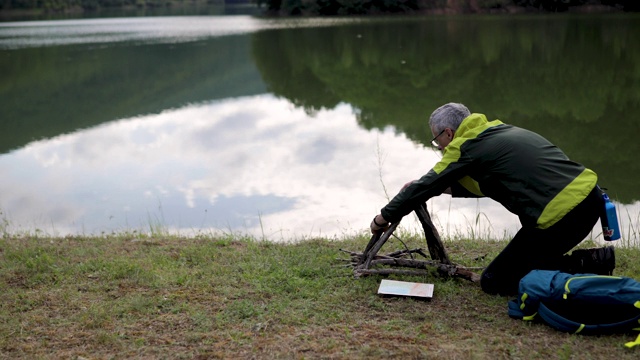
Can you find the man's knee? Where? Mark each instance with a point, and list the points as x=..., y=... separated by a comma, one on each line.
x=493, y=284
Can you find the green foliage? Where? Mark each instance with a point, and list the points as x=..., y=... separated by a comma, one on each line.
x=494, y=4
x=348, y=7
x=550, y=5
x=327, y=7
x=564, y=5
x=341, y=7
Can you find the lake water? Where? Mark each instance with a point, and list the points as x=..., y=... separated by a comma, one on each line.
x=294, y=128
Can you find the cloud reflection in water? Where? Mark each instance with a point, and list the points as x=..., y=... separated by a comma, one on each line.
x=253, y=165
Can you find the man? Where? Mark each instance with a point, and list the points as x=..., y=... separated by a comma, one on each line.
x=557, y=200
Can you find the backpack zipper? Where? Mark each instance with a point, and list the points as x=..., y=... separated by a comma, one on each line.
x=566, y=285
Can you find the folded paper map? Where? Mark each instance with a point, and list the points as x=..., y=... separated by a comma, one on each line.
x=403, y=288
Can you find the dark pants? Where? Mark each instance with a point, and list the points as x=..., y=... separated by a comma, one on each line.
x=533, y=248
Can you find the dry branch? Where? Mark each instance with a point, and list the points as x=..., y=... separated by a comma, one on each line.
x=434, y=243
x=389, y=272
x=363, y=262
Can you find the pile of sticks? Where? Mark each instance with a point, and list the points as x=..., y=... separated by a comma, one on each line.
x=369, y=261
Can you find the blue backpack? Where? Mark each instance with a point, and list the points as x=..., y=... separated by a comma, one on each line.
x=580, y=303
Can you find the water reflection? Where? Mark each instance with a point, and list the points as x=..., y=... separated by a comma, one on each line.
x=252, y=165
x=290, y=129
x=572, y=79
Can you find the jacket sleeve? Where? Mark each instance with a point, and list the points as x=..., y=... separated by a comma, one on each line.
x=445, y=174
x=459, y=191
x=467, y=188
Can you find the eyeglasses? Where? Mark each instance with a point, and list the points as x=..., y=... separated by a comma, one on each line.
x=434, y=141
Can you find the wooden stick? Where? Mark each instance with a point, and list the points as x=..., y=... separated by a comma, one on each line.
x=406, y=252
x=447, y=269
x=362, y=262
x=377, y=245
x=393, y=259
x=373, y=241
x=434, y=243
x=360, y=272
x=418, y=264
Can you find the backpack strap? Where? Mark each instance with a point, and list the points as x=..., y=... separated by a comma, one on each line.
x=550, y=315
x=558, y=321
x=633, y=343
x=637, y=342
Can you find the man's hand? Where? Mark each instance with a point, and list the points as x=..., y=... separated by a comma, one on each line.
x=379, y=224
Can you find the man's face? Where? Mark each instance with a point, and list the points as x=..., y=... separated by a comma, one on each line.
x=442, y=138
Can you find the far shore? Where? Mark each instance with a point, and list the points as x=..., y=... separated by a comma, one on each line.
x=194, y=8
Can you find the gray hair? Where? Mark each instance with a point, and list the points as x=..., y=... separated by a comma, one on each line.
x=448, y=116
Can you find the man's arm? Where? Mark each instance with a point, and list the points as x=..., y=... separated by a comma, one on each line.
x=446, y=191
x=418, y=192
x=379, y=223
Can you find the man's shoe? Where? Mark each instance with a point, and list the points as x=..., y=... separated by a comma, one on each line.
x=600, y=261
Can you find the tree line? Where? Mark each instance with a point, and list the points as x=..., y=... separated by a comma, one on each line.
x=53, y=6
x=341, y=7
x=362, y=7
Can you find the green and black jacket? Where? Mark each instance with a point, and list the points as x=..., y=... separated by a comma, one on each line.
x=518, y=168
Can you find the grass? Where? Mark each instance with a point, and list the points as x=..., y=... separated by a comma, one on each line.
x=167, y=297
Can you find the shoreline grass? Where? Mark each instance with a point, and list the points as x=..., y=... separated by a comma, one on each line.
x=169, y=297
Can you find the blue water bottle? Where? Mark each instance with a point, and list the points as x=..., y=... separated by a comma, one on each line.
x=609, y=220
